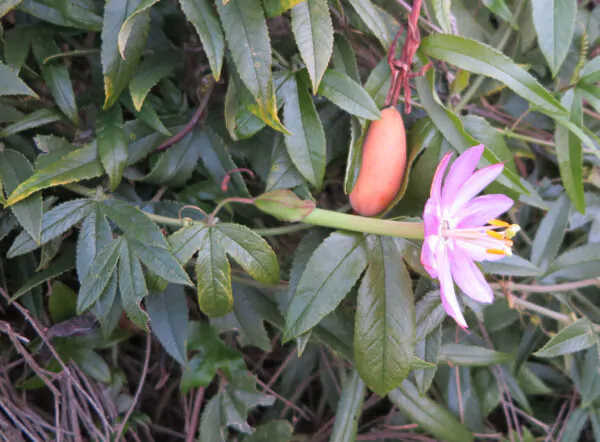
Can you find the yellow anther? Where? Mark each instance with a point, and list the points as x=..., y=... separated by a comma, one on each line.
x=496, y=235
x=498, y=252
x=498, y=223
x=512, y=230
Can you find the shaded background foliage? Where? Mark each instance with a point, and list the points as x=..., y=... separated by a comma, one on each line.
x=127, y=311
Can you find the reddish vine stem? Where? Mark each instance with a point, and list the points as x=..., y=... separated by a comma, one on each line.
x=195, y=118
x=401, y=68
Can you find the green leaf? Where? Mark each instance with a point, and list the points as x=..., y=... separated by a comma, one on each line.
x=374, y=21
x=54, y=223
x=248, y=37
x=213, y=273
x=575, y=337
x=201, y=14
x=78, y=165
x=94, y=234
x=135, y=26
x=428, y=349
x=238, y=398
x=330, y=273
x=349, y=409
x=14, y=169
x=56, y=76
x=161, y=262
x=210, y=423
x=477, y=57
x=378, y=83
x=186, y=241
x=132, y=285
x=97, y=280
x=444, y=16
x=274, y=431
x=385, y=318
x=250, y=251
x=133, y=222
x=241, y=123
x=218, y=162
x=168, y=314
x=348, y=95
x=212, y=355
x=7, y=5
x=62, y=302
x=472, y=356
x=151, y=70
x=282, y=173
x=273, y=8
x=574, y=425
x=112, y=144
x=35, y=119
x=452, y=129
x=578, y=263
x=499, y=8
x=117, y=68
x=428, y=414
x=569, y=151
x=306, y=144
x=56, y=268
x=147, y=114
x=244, y=319
x=17, y=42
x=176, y=165
x=554, y=22
x=550, y=233
x=11, y=84
x=430, y=313
x=510, y=266
x=78, y=14
x=313, y=32
x=590, y=73
x=92, y=364
x=344, y=59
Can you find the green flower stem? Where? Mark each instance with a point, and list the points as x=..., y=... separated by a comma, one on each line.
x=318, y=217
x=343, y=221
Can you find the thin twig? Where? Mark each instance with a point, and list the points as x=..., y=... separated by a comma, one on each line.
x=195, y=118
x=140, y=386
x=195, y=414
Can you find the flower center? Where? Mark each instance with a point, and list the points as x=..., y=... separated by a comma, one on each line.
x=495, y=238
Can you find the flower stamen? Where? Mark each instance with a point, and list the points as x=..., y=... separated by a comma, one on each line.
x=499, y=252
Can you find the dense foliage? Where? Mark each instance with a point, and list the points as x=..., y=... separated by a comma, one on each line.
x=176, y=257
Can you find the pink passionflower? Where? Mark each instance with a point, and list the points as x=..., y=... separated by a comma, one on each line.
x=461, y=228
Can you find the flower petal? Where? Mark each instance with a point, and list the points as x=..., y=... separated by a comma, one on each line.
x=436, y=184
x=469, y=278
x=447, y=292
x=428, y=256
x=460, y=171
x=431, y=218
x=480, y=210
x=475, y=184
